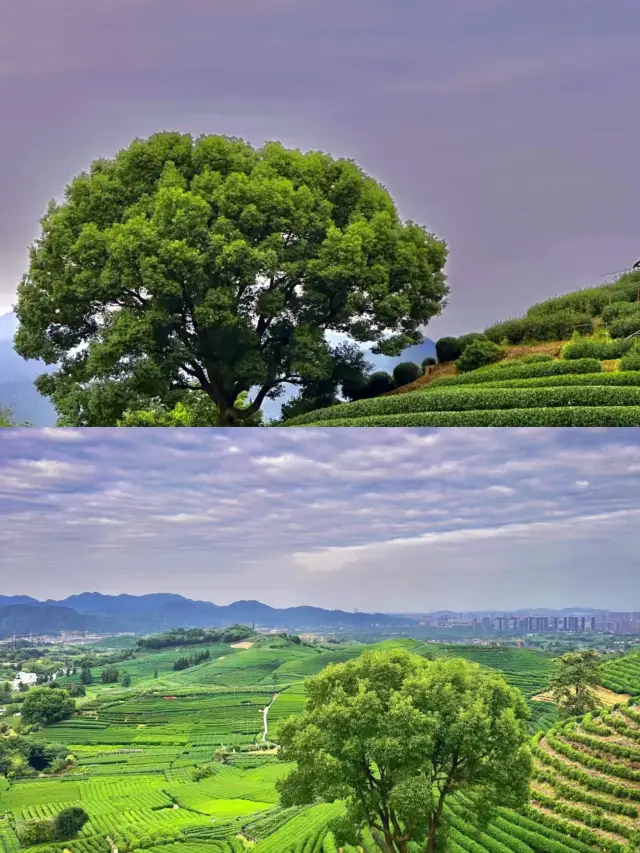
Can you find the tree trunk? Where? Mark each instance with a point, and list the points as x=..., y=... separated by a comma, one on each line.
x=228, y=418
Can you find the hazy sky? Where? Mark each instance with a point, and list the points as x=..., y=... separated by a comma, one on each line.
x=510, y=127
x=385, y=519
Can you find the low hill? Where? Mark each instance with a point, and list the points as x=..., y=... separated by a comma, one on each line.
x=570, y=361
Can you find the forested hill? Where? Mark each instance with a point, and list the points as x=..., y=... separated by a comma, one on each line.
x=92, y=611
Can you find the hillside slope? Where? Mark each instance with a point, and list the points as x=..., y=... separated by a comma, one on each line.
x=571, y=361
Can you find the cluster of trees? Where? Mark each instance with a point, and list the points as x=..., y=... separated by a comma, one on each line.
x=468, y=351
x=195, y=636
x=43, y=706
x=65, y=825
x=20, y=756
x=194, y=660
x=206, y=266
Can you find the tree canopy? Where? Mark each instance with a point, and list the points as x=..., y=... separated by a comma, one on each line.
x=204, y=264
x=43, y=706
x=394, y=735
x=573, y=682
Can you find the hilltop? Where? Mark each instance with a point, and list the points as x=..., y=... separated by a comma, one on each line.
x=573, y=360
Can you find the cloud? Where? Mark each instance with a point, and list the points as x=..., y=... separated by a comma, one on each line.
x=380, y=519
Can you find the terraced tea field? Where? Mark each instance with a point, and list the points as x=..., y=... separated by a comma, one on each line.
x=137, y=753
x=622, y=675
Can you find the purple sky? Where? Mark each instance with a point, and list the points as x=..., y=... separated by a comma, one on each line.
x=509, y=127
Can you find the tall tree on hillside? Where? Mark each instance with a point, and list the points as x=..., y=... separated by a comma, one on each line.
x=209, y=265
x=395, y=736
x=573, y=682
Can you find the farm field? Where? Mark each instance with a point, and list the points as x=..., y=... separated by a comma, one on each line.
x=544, y=375
x=137, y=752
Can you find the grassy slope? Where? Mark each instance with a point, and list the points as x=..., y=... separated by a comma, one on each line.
x=137, y=754
x=514, y=393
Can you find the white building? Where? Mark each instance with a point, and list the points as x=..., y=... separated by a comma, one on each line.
x=23, y=678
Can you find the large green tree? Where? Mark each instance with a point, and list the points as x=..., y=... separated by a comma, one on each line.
x=573, y=683
x=207, y=264
x=43, y=706
x=395, y=735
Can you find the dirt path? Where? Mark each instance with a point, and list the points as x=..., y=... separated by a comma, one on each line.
x=112, y=844
x=265, y=715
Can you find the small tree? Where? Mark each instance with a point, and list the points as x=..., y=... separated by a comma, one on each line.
x=109, y=675
x=396, y=736
x=85, y=675
x=479, y=353
x=126, y=680
x=69, y=822
x=43, y=706
x=573, y=682
x=405, y=372
x=76, y=690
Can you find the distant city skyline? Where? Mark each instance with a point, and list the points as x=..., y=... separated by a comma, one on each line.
x=386, y=520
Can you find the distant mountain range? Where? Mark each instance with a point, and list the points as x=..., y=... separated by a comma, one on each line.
x=93, y=611
x=18, y=393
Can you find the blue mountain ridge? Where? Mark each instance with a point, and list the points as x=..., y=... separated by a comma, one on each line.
x=93, y=611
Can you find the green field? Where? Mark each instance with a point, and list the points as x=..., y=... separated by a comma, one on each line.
x=137, y=751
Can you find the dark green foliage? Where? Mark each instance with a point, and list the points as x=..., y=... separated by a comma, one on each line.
x=625, y=326
x=85, y=675
x=573, y=682
x=405, y=373
x=379, y=383
x=429, y=361
x=75, y=690
x=126, y=680
x=479, y=353
x=43, y=706
x=69, y=822
x=195, y=636
x=532, y=328
x=630, y=361
x=194, y=660
x=109, y=675
x=465, y=340
x=448, y=349
x=204, y=264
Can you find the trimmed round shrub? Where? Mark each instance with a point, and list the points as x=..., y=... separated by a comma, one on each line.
x=478, y=354
x=429, y=361
x=448, y=349
x=354, y=387
x=405, y=372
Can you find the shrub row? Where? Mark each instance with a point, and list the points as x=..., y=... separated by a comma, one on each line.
x=572, y=830
x=580, y=796
x=588, y=780
x=476, y=399
x=616, y=749
x=620, y=726
x=628, y=377
x=517, y=370
x=548, y=834
x=630, y=361
x=532, y=328
x=572, y=416
x=590, y=818
x=606, y=767
x=589, y=725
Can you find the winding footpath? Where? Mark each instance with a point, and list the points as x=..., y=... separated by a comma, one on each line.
x=265, y=714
